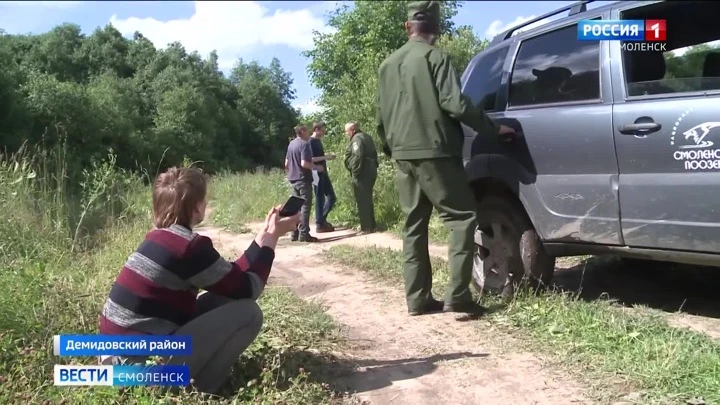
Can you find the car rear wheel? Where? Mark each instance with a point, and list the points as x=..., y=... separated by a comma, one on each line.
x=508, y=251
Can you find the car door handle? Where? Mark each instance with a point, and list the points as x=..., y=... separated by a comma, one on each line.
x=640, y=128
x=505, y=139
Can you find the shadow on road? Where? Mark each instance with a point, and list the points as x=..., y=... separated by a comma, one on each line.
x=664, y=286
x=340, y=375
x=369, y=375
x=338, y=237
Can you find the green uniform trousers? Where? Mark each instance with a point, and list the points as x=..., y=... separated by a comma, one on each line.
x=423, y=184
x=363, y=189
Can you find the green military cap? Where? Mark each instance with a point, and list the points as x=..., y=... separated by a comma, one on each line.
x=430, y=10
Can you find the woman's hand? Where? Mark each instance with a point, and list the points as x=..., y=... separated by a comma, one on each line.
x=277, y=225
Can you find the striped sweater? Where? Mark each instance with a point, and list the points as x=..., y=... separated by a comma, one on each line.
x=156, y=291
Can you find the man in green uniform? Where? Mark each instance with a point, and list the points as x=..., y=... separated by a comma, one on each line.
x=361, y=160
x=420, y=108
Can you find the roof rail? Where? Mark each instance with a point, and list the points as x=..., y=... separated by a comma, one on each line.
x=575, y=8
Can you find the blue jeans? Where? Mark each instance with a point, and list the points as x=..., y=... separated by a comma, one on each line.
x=324, y=198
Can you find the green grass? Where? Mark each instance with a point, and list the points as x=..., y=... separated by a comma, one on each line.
x=240, y=199
x=437, y=232
x=60, y=250
x=617, y=348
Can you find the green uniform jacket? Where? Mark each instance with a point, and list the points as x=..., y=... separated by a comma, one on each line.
x=361, y=157
x=420, y=105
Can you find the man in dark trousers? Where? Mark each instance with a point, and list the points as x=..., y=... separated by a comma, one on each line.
x=420, y=108
x=324, y=192
x=299, y=167
x=361, y=160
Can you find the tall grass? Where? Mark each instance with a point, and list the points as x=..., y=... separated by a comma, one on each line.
x=243, y=198
x=45, y=285
x=46, y=209
x=385, y=198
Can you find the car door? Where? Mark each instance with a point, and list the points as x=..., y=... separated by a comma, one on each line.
x=667, y=134
x=561, y=98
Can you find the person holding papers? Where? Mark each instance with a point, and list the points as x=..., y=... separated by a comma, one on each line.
x=324, y=192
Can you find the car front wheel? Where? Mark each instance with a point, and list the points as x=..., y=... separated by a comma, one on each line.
x=508, y=251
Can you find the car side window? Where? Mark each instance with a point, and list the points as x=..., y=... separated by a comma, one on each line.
x=555, y=68
x=689, y=58
x=483, y=83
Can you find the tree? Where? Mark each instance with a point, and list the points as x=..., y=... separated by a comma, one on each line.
x=690, y=64
x=364, y=36
x=105, y=49
x=344, y=66
x=154, y=107
x=344, y=63
x=13, y=112
x=266, y=93
x=56, y=53
x=462, y=46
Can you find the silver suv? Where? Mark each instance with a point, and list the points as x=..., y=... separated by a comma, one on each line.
x=616, y=150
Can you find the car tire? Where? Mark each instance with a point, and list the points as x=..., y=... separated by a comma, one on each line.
x=508, y=252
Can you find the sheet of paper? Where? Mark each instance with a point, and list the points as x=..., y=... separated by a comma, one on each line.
x=316, y=178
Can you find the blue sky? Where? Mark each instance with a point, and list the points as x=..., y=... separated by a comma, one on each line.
x=249, y=29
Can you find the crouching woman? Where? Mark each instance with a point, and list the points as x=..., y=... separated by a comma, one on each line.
x=156, y=291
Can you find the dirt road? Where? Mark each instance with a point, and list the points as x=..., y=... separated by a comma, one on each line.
x=432, y=359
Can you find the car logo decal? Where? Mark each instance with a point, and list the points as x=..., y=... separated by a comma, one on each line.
x=699, y=139
x=693, y=144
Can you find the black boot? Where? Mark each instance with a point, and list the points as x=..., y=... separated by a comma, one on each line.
x=431, y=307
x=470, y=307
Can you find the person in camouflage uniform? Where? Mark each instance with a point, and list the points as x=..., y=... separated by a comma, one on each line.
x=361, y=160
x=420, y=108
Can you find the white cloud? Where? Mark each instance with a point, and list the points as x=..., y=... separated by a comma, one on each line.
x=47, y=4
x=231, y=28
x=309, y=107
x=497, y=27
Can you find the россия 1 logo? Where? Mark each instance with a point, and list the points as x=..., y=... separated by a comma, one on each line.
x=655, y=30
x=637, y=35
